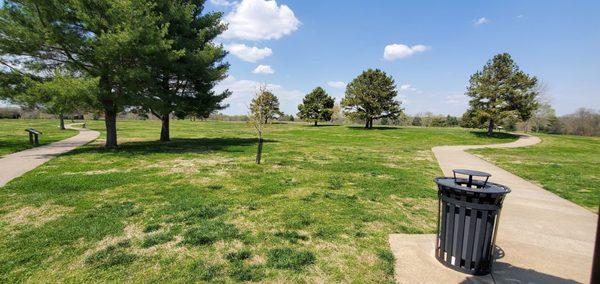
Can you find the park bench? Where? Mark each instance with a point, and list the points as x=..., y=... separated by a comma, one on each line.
x=33, y=136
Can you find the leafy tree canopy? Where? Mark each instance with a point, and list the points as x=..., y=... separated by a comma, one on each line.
x=501, y=89
x=371, y=96
x=265, y=105
x=316, y=106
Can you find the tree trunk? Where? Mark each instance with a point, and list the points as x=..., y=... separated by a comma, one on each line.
x=110, y=121
x=490, y=128
x=164, y=130
x=62, y=121
x=367, y=123
x=110, y=110
x=266, y=120
x=315, y=123
x=259, y=151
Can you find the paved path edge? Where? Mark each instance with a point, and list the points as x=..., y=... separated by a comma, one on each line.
x=16, y=164
x=546, y=239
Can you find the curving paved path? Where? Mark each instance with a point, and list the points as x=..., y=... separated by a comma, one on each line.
x=545, y=238
x=16, y=164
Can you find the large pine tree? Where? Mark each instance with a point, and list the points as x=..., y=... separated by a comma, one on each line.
x=183, y=76
x=316, y=106
x=370, y=96
x=499, y=90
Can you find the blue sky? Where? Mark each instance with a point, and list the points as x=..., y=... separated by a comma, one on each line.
x=434, y=46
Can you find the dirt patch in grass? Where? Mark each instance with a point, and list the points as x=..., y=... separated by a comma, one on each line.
x=190, y=166
x=36, y=216
x=130, y=232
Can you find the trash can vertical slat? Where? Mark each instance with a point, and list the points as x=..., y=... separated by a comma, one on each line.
x=471, y=239
x=479, y=235
x=460, y=236
x=442, y=220
x=450, y=234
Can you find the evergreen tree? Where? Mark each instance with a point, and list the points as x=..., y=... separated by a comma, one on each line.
x=182, y=77
x=316, y=106
x=371, y=96
x=451, y=121
x=501, y=89
x=107, y=39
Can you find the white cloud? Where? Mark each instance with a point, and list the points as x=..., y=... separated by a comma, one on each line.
x=457, y=99
x=481, y=21
x=243, y=91
x=337, y=84
x=263, y=69
x=260, y=20
x=407, y=87
x=247, y=53
x=222, y=2
x=398, y=51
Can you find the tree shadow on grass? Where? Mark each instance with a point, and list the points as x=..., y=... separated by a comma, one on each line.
x=375, y=128
x=497, y=135
x=178, y=145
x=320, y=125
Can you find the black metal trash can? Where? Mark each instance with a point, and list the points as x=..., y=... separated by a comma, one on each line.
x=468, y=215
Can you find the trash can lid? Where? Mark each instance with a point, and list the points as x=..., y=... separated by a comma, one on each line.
x=488, y=187
x=471, y=173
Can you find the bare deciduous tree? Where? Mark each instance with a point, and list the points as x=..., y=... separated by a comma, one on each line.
x=258, y=116
x=582, y=122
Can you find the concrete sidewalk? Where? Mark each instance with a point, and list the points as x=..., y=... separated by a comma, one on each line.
x=16, y=164
x=545, y=238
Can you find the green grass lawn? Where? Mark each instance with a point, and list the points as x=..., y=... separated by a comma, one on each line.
x=566, y=165
x=319, y=208
x=13, y=137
